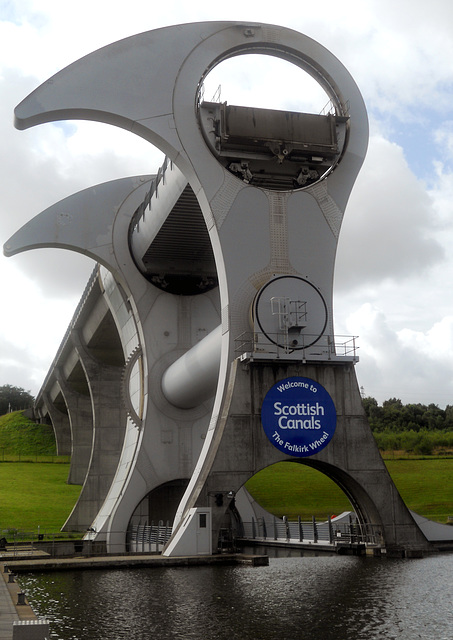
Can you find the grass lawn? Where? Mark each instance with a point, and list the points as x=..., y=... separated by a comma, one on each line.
x=426, y=486
x=35, y=494
x=293, y=489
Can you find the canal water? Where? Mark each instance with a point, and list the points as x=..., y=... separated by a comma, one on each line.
x=324, y=597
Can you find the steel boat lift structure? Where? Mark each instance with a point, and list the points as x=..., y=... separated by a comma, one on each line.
x=218, y=274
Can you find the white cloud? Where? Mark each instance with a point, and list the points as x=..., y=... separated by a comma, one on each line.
x=436, y=343
x=411, y=365
x=388, y=229
x=31, y=329
x=443, y=136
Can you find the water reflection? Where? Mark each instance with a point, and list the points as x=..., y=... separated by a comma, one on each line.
x=315, y=598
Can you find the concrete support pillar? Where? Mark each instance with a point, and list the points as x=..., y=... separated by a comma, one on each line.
x=351, y=459
x=109, y=422
x=81, y=423
x=61, y=426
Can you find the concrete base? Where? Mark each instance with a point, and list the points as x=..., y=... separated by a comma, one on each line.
x=352, y=459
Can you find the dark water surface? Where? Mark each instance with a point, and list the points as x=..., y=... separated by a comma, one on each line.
x=311, y=598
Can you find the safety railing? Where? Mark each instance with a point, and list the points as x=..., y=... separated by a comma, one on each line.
x=312, y=532
x=141, y=209
x=19, y=545
x=280, y=345
x=144, y=538
x=6, y=455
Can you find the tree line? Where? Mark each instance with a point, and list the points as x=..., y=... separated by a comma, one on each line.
x=395, y=416
x=14, y=399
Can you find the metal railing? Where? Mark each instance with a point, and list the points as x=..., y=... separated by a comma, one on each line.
x=310, y=532
x=18, y=545
x=139, y=213
x=151, y=538
x=144, y=538
x=6, y=455
x=309, y=346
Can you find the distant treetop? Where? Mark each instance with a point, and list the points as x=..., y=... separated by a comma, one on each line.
x=14, y=399
x=393, y=415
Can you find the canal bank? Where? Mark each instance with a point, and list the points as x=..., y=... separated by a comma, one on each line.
x=14, y=608
x=30, y=564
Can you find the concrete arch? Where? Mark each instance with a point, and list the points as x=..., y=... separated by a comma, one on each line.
x=351, y=459
x=362, y=502
x=160, y=503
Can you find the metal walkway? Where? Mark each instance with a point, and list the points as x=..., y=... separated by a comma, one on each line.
x=335, y=534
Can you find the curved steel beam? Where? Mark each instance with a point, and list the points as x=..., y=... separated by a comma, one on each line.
x=82, y=222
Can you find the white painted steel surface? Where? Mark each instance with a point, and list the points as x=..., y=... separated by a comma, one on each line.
x=192, y=379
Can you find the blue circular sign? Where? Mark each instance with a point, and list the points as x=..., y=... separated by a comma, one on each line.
x=298, y=416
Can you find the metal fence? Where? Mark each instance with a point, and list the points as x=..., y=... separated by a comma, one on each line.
x=151, y=538
x=6, y=455
x=298, y=531
x=18, y=543
x=144, y=538
x=257, y=345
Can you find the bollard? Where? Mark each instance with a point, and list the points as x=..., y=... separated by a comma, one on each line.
x=21, y=598
x=5, y=569
x=11, y=577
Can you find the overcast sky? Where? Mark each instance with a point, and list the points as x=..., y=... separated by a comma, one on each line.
x=394, y=268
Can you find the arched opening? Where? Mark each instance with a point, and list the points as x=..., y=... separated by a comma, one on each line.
x=293, y=489
x=272, y=118
x=265, y=81
x=306, y=503
x=151, y=523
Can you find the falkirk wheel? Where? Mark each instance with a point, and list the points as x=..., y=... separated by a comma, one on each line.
x=218, y=273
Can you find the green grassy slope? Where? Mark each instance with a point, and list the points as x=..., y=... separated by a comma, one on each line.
x=425, y=485
x=18, y=434
x=293, y=489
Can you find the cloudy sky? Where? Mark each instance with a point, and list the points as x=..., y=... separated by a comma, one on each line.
x=394, y=270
